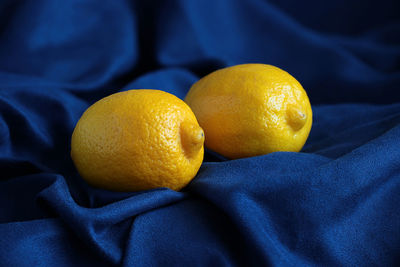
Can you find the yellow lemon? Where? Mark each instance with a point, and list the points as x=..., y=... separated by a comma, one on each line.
x=251, y=109
x=137, y=140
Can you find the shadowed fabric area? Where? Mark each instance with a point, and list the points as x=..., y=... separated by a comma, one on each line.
x=336, y=203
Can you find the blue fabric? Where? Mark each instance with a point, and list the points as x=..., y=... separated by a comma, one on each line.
x=336, y=203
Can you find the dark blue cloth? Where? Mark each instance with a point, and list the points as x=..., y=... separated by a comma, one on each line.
x=336, y=203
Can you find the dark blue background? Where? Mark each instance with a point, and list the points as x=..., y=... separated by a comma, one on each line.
x=334, y=204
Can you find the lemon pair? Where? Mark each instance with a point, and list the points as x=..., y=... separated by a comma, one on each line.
x=143, y=139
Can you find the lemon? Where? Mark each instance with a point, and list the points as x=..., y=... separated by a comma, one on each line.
x=137, y=140
x=251, y=109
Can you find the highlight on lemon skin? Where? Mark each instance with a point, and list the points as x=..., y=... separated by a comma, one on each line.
x=138, y=140
x=251, y=109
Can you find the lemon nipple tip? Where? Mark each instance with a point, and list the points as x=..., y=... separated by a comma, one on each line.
x=296, y=118
x=192, y=138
